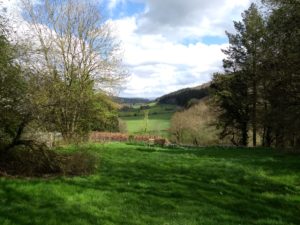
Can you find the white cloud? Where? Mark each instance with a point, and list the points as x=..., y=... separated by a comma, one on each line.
x=159, y=65
x=178, y=19
x=113, y=3
x=152, y=42
x=154, y=52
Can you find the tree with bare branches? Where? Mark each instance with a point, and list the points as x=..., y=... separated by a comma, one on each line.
x=75, y=55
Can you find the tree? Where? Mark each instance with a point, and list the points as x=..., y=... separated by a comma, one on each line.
x=231, y=98
x=194, y=125
x=262, y=69
x=75, y=54
x=146, y=120
x=14, y=103
x=281, y=66
x=244, y=54
x=105, y=115
x=237, y=93
x=253, y=39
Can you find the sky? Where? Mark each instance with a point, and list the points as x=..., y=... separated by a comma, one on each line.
x=169, y=44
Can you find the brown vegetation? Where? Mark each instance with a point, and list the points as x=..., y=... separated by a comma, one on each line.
x=121, y=137
x=37, y=160
x=195, y=126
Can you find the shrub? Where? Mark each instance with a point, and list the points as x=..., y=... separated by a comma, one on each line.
x=108, y=136
x=195, y=126
x=36, y=160
x=131, y=138
x=160, y=141
x=78, y=163
x=122, y=126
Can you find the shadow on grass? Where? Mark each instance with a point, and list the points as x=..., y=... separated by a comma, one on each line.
x=19, y=207
x=273, y=161
x=156, y=186
x=232, y=194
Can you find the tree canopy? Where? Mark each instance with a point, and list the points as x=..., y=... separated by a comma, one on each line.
x=261, y=72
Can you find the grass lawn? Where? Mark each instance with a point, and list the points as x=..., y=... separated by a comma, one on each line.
x=142, y=185
x=154, y=108
x=157, y=124
x=159, y=116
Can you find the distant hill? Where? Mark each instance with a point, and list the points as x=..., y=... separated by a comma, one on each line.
x=122, y=100
x=183, y=96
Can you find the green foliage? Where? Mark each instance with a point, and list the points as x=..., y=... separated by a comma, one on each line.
x=154, y=108
x=14, y=104
x=105, y=115
x=72, y=70
x=236, y=94
x=231, y=96
x=183, y=96
x=142, y=185
x=282, y=71
x=260, y=86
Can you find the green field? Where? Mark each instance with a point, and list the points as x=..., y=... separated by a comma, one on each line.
x=154, y=109
x=158, y=122
x=143, y=185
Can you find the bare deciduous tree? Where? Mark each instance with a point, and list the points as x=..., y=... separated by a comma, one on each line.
x=193, y=126
x=75, y=54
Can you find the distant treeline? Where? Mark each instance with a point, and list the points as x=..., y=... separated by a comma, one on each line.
x=184, y=96
x=123, y=100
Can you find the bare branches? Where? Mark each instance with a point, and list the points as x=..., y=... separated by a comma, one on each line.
x=74, y=42
x=75, y=54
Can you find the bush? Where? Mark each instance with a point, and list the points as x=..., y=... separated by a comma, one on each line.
x=36, y=160
x=195, y=126
x=122, y=126
x=79, y=163
x=160, y=141
x=131, y=138
x=108, y=136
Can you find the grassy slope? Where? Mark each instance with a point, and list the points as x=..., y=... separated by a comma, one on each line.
x=141, y=185
x=155, y=108
x=157, y=124
x=158, y=119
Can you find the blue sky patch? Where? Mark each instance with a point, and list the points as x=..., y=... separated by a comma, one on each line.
x=127, y=9
x=208, y=40
x=214, y=40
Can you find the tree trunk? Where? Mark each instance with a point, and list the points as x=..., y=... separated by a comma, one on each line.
x=245, y=134
x=17, y=139
x=254, y=122
x=279, y=139
x=267, y=138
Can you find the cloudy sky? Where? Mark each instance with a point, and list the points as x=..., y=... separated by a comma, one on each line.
x=170, y=44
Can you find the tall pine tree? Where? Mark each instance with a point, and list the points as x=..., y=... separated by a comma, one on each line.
x=242, y=65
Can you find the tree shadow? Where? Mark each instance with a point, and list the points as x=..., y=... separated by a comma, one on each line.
x=233, y=191
x=219, y=185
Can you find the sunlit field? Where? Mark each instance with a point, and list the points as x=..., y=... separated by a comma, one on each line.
x=137, y=184
x=156, y=124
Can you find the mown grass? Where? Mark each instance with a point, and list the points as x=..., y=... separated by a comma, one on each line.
x=145, y=185
x=157, y=124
